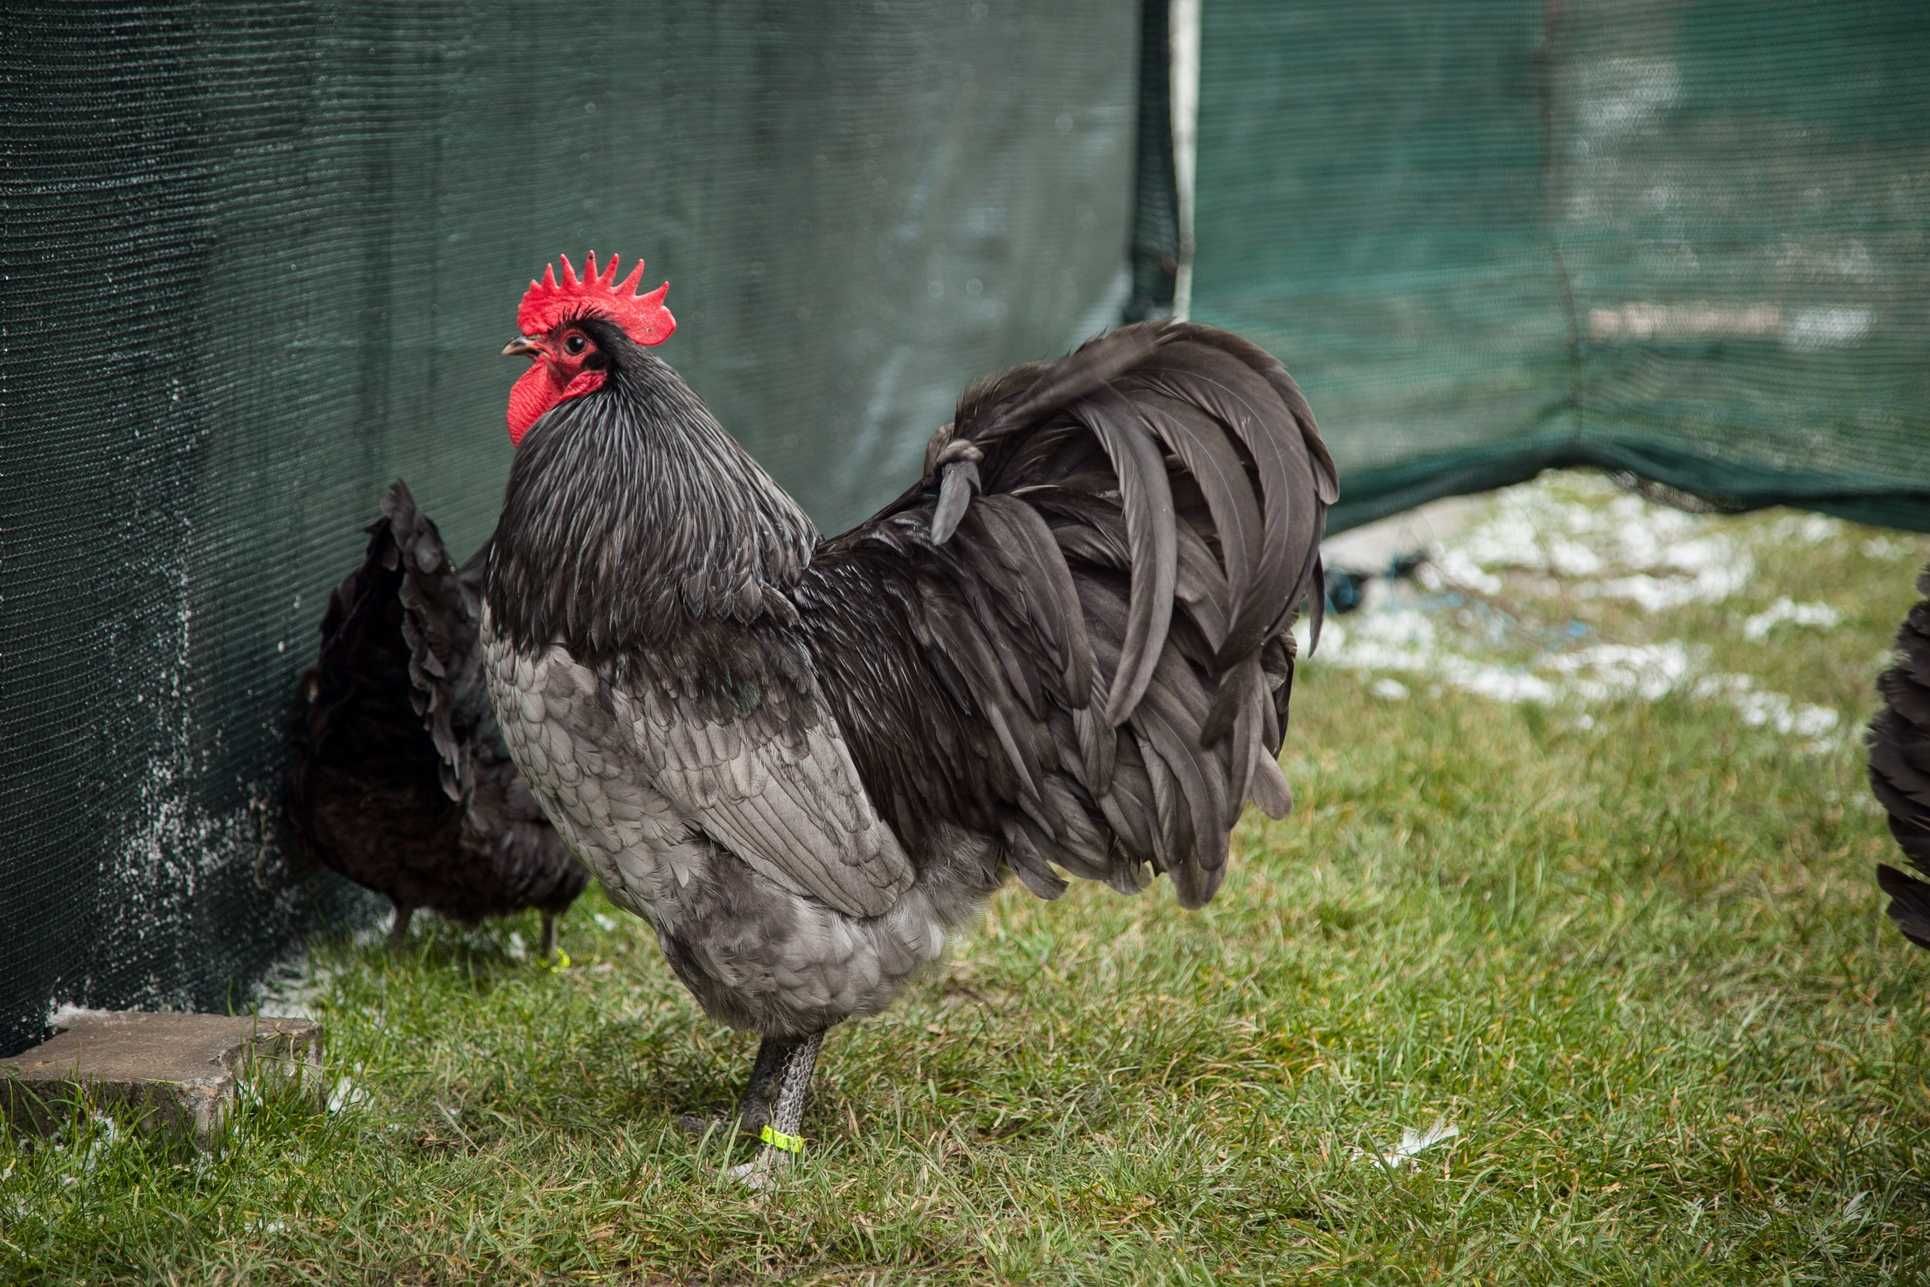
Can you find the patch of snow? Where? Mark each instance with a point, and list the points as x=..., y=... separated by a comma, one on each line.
x=1611, y=544
x=1571, y=558
x=376, y=932
x=1404, y=640
x=1808, y=529
x=291, y=987
x=1785, y=610
x=101, y=1136
x=1885, y=547
x=1608, y=672
x=346, y=1096
x=1760, y=707
x=1459, y=567
x=1656, y=557
x=1701, y=571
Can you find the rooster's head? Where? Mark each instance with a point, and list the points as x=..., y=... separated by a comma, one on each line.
x=559, y=322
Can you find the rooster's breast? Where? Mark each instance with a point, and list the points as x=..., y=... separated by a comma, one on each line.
x=572, y=754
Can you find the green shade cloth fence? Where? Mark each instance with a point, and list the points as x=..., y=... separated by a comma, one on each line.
x=256, y=261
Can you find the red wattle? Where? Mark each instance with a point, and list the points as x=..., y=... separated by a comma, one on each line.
x=537, y=390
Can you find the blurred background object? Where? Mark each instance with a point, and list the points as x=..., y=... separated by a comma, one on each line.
x=398, y=776
x=1686, y=239
x=253, y=257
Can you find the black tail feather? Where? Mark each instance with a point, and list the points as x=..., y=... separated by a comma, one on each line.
x=1108, y=593
x=1899, y=744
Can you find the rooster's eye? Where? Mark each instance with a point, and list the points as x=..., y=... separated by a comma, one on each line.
x=575, y=344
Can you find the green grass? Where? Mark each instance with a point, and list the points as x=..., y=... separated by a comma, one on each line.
x=1640, y=964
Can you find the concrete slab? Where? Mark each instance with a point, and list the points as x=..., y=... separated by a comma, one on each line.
x=173, y=1071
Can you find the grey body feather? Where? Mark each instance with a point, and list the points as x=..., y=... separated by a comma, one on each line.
x=1065, y=650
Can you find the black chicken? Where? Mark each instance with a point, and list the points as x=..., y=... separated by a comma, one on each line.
x=1065, y=648
x=1900, y=766
x=400, y=780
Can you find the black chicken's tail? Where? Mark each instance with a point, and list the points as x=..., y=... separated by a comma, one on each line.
x=1134, y=527
x=399, y=641
x=1900, y=766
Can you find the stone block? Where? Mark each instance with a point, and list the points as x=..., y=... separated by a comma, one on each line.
x=166, y=1071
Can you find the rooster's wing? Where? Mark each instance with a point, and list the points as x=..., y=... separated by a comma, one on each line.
x=770, y=779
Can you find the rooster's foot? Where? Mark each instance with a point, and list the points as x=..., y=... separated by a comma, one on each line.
x=761, y=1174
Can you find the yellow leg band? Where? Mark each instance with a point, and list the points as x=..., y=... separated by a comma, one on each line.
x=778, y=1139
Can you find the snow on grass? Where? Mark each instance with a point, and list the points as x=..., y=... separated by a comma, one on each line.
x=293, y=986
x=1583, y=538
x=1787, y=611
x=1625, y=548
x=346, y=1096
x=1887, y=547
x=1759, y=708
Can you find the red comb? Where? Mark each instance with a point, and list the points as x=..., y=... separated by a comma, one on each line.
x=596, y=294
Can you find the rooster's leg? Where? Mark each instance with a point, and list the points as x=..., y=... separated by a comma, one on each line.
x=754, y=1110
x=779, y=1083
x=399, y=932
x=754, y=1113
x=549, y=935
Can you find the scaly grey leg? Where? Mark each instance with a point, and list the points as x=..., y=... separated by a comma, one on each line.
x=548, y=947
x=754, y=1113
x=786, y=1064
x=754, y=1109
x=399, y=932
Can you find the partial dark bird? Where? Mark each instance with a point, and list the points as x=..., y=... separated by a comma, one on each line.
x=1064, y=650
x=400, y=779
x=1900, y=766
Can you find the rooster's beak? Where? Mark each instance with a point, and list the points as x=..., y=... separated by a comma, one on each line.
x=521, y=346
